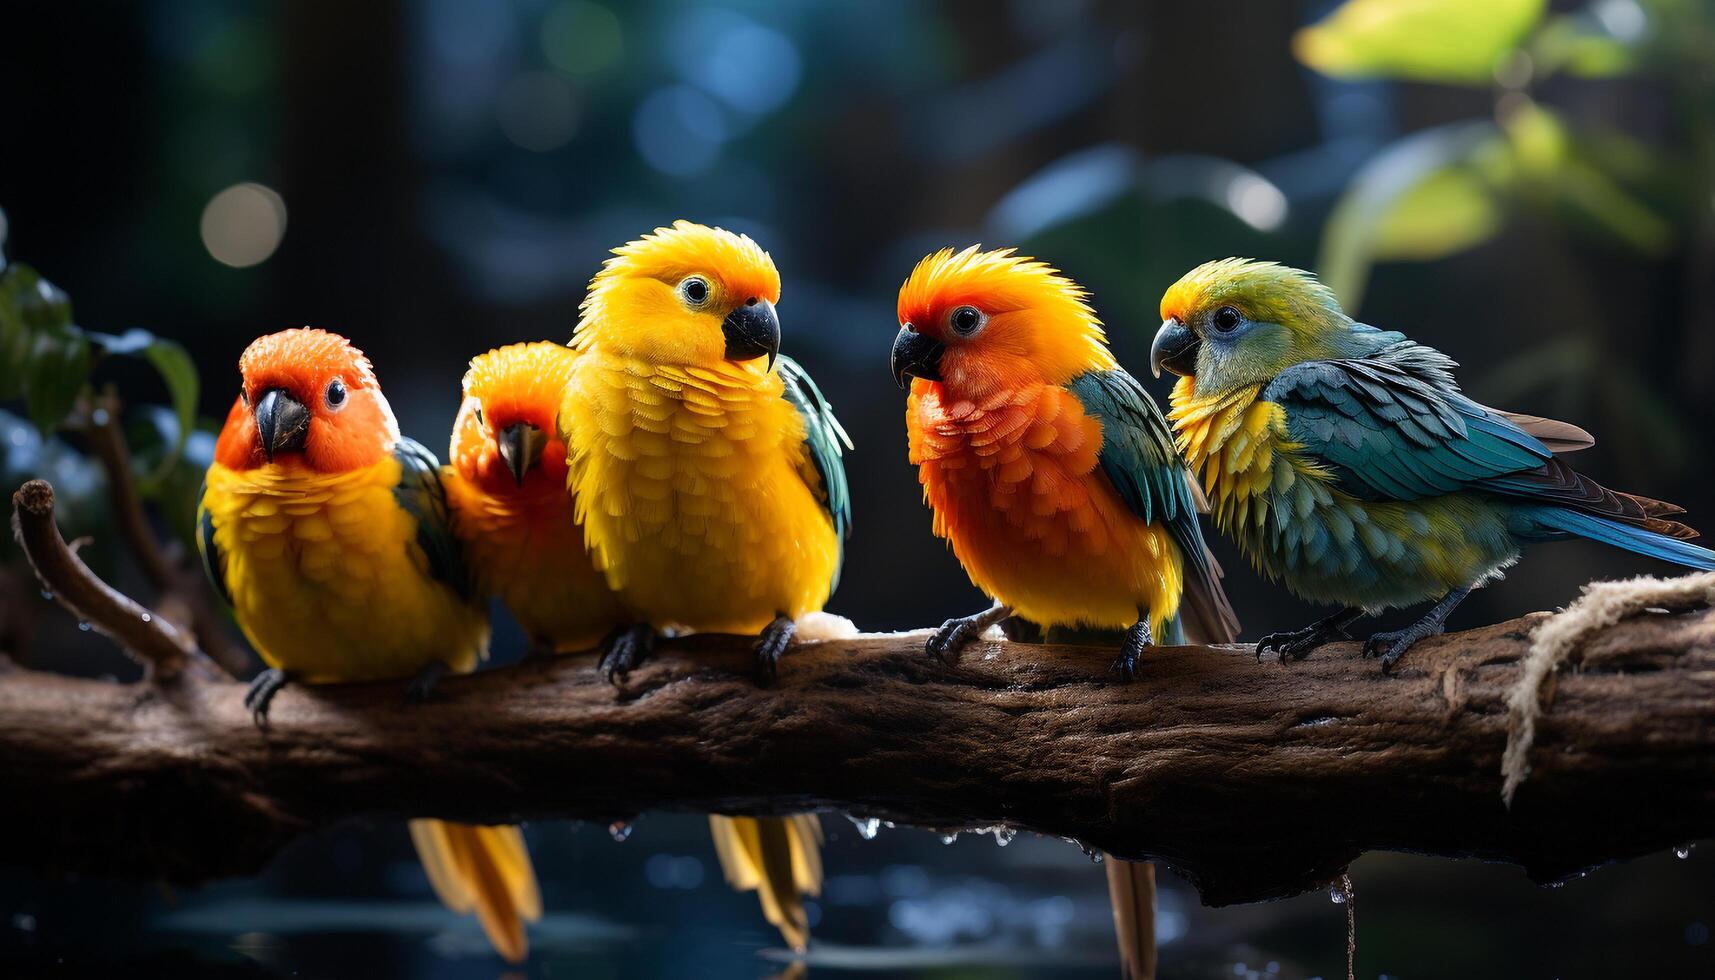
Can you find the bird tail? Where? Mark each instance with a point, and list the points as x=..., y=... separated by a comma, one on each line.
x=1205, y=613
x=1669, y=547
x=485, y=870
x=781, y=859
x=1131, y=889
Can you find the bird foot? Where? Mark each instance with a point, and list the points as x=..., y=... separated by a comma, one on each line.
x=771, y=646
x=1137, y=639
x=956, y=634
x=1392, y=644
x=625, y=651
x=263, y=687
x=424, y=683
x=1298, y=644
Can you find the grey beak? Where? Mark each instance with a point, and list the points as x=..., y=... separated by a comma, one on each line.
x=1175, y=349
x=752, y=330
x=282, y=422
x=916, y=355
x=520, y=445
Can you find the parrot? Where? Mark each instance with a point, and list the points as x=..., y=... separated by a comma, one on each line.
x=707, y=472
x=1347, y=464
x=327, y=533
x=506, y=487
x=1053, y=476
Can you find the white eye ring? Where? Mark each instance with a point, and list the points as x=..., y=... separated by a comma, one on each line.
x=335, y=397
x=967, y=320
x=694, y=290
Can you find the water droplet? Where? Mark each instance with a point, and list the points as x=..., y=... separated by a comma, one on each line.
x=619, y=830
x=84, y=625
x=1682, y=852
x=867, y=827
x=949, y=838
x=46, y=594
x=1003, y=835
x=1336, y=896
x=148, y=618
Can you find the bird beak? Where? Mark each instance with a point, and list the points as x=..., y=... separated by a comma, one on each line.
x=915, y=354
x=1175, y=349
x=282, y=422
x=520, y=446
x=752, y=330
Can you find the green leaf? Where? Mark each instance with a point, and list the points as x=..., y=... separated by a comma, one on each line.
x=1389, y=209
x=58, y=365
x=1565, y=177
x=177, y=370
x=1450, y=41
x=1579, y=44
x=1450, y=211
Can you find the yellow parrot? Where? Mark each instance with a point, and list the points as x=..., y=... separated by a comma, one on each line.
x=706, y=469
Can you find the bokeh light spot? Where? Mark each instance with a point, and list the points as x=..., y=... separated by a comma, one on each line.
x=538, y=111
x=243, y=225
x=581, y=38
x=679, y=131
x=1257, y=202
x=749, y=66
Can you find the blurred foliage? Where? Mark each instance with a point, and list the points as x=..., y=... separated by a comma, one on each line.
x=49, y=365
x=1447, y=189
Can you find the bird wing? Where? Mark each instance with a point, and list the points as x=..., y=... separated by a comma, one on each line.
x=213, y=562
x=421, y=493
x=824, y=441
x=1140, y=461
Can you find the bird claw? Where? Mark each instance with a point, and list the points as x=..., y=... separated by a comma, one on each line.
x=1137, y=639
x=423, y=685
x=1392, y=644
x=953, y=636
x=263, y=687
x=625, y=651
x=1293, y=645
x=771, y=646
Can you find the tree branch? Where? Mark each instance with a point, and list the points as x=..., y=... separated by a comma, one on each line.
x=157, y=644
x=1254, y=779
x=165, y=572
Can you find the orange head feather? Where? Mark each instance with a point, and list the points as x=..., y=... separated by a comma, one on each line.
x=689, y=294
x=995, y=319
x=308, y=398
x=505, y=440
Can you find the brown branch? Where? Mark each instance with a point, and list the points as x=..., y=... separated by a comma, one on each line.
x=165, y=572
x=1254, y=779
x=157, y=644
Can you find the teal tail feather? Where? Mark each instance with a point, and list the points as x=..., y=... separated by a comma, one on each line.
x=1553, y=522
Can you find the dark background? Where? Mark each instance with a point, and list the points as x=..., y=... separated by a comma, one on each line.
x=452, y=174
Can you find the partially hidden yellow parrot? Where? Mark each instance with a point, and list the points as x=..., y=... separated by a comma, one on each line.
x=706, y=469
x=328, y=533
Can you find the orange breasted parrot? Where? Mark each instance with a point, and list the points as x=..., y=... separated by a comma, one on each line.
x=328, y=534
x=1347, y=465
x=707, y=473
x=506, y=485
x=1048, y=468
x=1053, y=476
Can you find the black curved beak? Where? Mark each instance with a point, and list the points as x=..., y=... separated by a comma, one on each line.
x=915, y=354
x=1175, y=349
x=520, y=446
x=282, y=422
x=752, y=330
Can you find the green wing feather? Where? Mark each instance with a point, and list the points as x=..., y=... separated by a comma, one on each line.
x=1139, y=458
x=420, y=492
x=824, y=440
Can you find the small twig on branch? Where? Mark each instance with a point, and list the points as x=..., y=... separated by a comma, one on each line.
x=164, y=572
x=158, y=645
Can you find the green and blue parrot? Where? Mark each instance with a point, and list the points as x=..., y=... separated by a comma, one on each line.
x=1347, y=465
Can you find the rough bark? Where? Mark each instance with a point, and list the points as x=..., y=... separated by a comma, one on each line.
x=1254, y=779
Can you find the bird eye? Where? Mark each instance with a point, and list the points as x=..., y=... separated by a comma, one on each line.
x=967, y=320
x=334, y=396
x=695, y=289
x=1227, y=319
